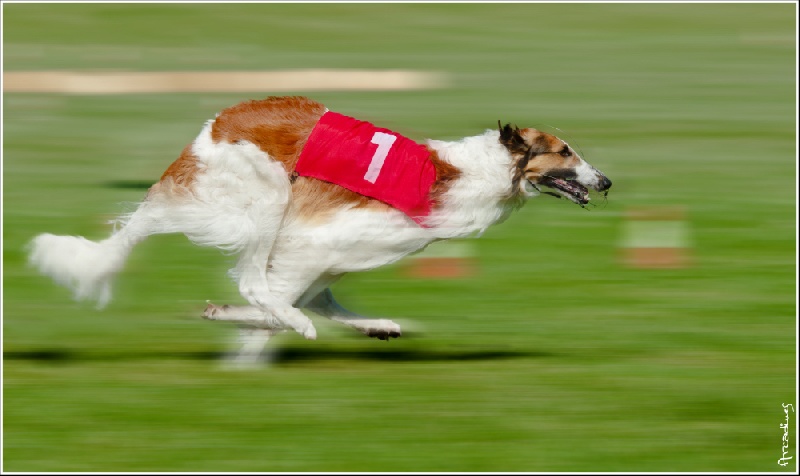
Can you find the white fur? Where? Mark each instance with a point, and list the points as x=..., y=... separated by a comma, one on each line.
x=84, y=266
x=479, y=198
x=587, y=175
x=240, y=193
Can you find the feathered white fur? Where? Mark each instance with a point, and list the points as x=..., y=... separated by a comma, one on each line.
x=86, y=267
x=481, y=196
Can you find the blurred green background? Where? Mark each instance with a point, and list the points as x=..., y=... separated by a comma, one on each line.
x=554, y=357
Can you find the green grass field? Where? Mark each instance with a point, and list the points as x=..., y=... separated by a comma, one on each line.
x=554, y=357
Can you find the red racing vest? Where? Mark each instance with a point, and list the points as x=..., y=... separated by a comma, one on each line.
x=370, y=161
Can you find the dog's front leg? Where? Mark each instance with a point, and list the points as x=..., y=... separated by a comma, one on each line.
x=278, y=318
x=325, y=305
x=270, y=310
x=251, y=342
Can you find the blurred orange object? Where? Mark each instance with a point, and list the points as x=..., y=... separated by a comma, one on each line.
x=656, y=237
x=450, y=260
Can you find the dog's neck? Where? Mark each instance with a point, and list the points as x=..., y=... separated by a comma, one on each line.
x=482, y=195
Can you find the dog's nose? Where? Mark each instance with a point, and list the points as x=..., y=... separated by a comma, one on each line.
x=605, y=184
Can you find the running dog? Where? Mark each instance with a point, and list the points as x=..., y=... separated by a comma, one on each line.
x=304, y=195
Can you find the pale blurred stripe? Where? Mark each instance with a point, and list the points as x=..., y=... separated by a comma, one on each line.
x=71, y=82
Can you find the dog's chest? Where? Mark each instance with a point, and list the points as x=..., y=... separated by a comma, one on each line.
x=352, y=240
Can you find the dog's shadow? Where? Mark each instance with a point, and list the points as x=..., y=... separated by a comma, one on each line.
x=289, y=355
x=286, y=355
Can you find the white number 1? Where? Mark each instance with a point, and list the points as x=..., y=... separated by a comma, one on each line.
x=384, y=143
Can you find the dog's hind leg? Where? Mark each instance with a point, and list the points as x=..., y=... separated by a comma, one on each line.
x=268, y=310
x=325, y=305
x=239, y=198
x=281, y=289
x=254, y=317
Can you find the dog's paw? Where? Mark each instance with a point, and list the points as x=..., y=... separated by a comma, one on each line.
x=382, y=334
x=310, y=333
x=214, y=312
x=383, y=329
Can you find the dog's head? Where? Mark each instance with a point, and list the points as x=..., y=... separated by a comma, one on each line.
x=541, y=159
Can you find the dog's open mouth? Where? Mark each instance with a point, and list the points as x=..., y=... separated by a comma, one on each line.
x=569, y=189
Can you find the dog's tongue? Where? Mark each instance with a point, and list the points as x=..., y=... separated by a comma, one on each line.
x=574, y=188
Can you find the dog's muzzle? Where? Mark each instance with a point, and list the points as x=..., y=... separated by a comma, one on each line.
x=575, y=186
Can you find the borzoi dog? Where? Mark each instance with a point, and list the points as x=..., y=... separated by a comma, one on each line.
x=305, y=195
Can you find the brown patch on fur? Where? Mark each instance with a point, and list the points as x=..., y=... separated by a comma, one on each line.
x=541, y=141
x=446, y=173
x=279, y=126
x=548, y=157
x=315, y=200
x=181, y=173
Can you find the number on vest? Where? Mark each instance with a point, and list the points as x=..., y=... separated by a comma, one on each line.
x=384, y=142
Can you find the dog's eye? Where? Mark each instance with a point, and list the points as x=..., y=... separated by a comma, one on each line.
x=565, y=152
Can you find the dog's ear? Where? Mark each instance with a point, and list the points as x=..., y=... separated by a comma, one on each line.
x=506, y=133
x=511, y=138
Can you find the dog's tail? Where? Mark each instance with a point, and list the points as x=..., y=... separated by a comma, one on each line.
x=84, y=266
